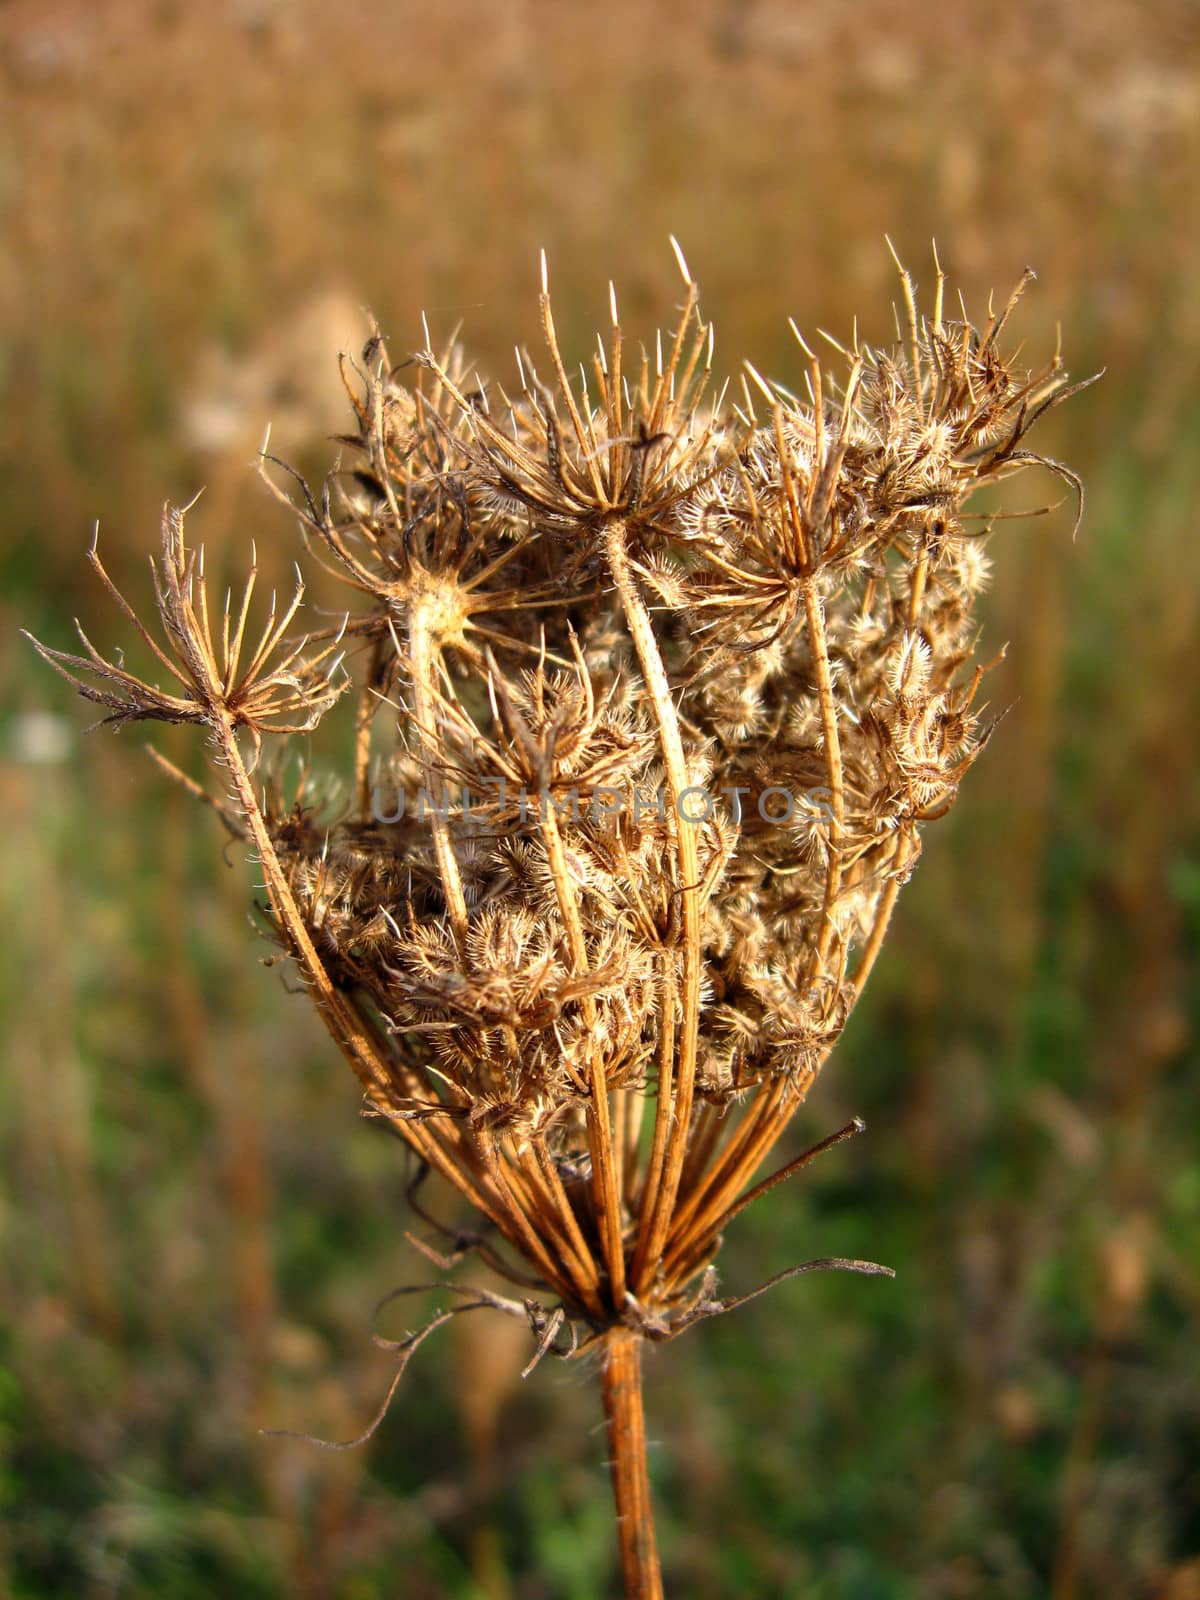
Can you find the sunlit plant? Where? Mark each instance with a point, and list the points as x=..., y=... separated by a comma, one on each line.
x=653, y=689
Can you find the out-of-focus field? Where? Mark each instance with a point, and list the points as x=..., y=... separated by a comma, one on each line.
x=194, y=202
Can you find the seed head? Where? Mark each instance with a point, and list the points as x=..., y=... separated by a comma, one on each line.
x=654, y=693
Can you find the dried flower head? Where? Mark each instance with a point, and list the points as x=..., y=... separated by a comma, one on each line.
x=654, y=691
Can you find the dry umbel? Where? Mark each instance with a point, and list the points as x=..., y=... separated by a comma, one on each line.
x=653, y=690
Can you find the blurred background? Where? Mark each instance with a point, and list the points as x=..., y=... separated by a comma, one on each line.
x=195, y=204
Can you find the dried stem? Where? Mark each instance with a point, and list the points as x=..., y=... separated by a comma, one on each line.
x=674, y=1110
x=621, y=1381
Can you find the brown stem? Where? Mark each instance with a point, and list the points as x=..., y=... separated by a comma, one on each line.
x=621, y=1379
x=673, y=1117
x=819, y=646
x=423, y=658
x=599, y=1125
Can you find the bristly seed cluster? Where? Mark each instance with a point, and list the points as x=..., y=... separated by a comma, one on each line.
x=653, y=690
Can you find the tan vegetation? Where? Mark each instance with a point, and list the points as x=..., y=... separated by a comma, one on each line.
x=586, y=991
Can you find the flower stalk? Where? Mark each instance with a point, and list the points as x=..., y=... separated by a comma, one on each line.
x=621, y=1382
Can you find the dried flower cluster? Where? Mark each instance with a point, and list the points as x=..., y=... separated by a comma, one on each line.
x=654, y=689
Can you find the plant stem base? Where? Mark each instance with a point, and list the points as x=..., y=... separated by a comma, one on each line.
x=621, y=1380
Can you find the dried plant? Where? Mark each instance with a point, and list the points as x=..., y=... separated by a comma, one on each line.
x=653, y=691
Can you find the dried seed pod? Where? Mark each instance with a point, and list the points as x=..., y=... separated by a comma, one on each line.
x=653, y=696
